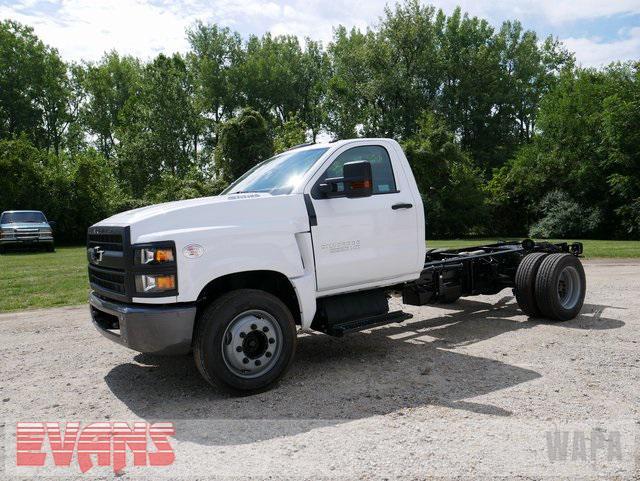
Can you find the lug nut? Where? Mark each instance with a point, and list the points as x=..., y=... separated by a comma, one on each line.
x=245, y=360
x=253, y=327
x=239, y=348
x=242, y=334
x=265, y=329
x=268, y=354
x=271, y=340
x=258, y=362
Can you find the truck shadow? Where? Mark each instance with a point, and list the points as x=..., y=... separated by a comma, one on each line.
x=338, y=380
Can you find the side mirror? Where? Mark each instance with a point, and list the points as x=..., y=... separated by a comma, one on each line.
x=356, y=181
x=52, y=223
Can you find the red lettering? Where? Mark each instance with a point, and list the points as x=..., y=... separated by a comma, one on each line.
x=62, y=447
x=159, y=434
x=95, y=439
x=29, y=440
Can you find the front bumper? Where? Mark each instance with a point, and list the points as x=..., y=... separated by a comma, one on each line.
x=152, y=329
x=16, y=241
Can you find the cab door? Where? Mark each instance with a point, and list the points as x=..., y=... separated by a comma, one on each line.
x=359, y=241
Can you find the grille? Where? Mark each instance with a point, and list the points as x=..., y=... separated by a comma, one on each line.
x=112, y=242
x=109, y=279
x=27, y=234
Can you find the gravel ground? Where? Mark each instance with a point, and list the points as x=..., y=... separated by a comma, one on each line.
x=471, y=390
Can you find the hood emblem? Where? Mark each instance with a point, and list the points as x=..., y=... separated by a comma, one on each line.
x=95, y=254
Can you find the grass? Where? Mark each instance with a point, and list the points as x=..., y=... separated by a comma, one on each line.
x=43, y=279
x=592, y=248
x=31, y=280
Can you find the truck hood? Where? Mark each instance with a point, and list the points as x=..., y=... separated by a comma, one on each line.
x=27, y=225
x=252, y=210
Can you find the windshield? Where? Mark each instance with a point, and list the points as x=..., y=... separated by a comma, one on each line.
x=18, y=217
x=277, y=175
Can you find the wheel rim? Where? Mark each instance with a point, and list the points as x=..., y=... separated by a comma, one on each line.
x=251, y=344
x=569, y=287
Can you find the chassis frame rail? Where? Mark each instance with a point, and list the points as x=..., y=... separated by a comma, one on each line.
x=484, y=269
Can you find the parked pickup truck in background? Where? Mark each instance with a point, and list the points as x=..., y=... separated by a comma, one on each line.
x=316, y=238
x=25, y=228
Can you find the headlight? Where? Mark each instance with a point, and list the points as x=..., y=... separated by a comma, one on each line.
x=147, y=283
x=7, y=233
x=45, y=230
x=154, y=255
x=155, y=269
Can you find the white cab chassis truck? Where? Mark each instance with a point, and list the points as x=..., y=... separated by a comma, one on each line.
x=316, y=238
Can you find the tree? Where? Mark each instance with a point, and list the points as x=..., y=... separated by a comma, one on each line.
x=586, y=148
x=34, y=88
x=22, y=180
x=244, y=142
x=350, y=102
x=109, y=84
x=451, y=186
x=159, y=127
x=292, y=132
x=214, y=60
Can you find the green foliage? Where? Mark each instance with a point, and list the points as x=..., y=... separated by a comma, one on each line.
x=451, y=186
x=34, y=88
x=292, y=132
x=588, y=147
x=172, y=188
x=504, y=105
x=564, y=218
x=244, y=142
x=109, y=85
x=22, y=166
x=82, y=192
x=74, y=191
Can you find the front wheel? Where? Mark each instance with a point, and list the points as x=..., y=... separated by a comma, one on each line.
x=245, y=340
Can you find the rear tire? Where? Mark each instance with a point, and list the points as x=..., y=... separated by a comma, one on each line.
x=560, y=287
x=245, y=341
x=525, y=283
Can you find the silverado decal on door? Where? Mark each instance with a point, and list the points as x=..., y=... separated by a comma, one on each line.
x=341, y=246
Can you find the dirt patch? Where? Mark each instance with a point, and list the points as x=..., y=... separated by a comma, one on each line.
x=467, y=390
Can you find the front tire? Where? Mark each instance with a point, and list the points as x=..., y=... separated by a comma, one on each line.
x=245, y=340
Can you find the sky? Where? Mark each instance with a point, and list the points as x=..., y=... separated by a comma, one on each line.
x=598, y=31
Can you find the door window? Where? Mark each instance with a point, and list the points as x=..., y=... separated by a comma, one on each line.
x=381, y=170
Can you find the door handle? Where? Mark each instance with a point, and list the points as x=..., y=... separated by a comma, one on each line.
x=401, y=206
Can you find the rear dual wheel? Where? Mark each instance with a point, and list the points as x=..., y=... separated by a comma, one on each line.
x=551, y=286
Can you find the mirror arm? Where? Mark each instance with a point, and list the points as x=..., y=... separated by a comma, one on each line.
x=330, y=186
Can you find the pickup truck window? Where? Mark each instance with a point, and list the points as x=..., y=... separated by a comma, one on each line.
x=383, y=180
x=26, y=217
x=278, y=175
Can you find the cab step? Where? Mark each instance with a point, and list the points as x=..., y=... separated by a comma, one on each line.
x=339, y=330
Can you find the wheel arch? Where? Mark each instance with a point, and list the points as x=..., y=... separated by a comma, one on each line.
x=273, y=282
